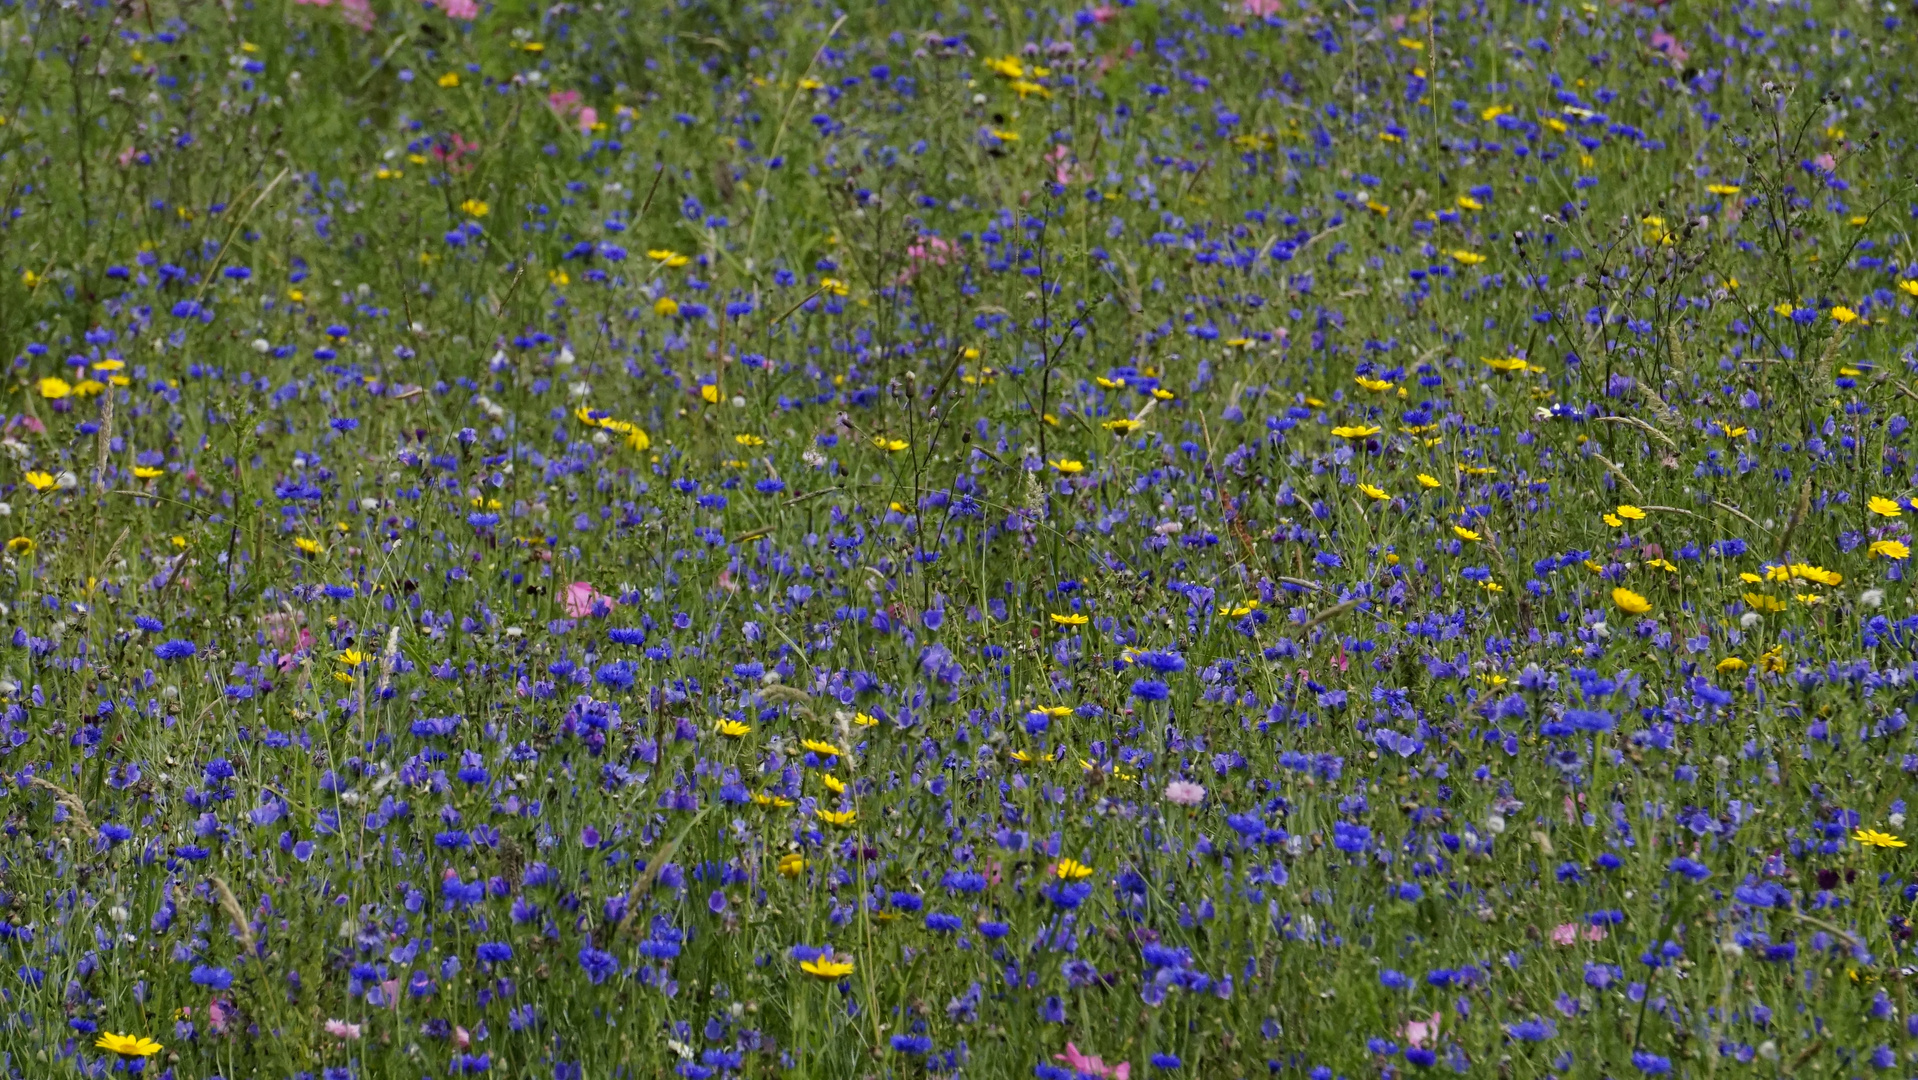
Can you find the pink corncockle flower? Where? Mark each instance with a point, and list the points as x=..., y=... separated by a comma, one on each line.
x=1093, y=1066
x=1061, y=159
x=566, y=105
x=580, y=600
x=1103, y=14
x=1184, y=793
x=1825, y=163
x=340, y=1029
x=451, y=156
x=1664, y=42
x=1259, y=9
x=1595, y=933
x=936, y=250
x=462, y=1038
x=357, y=14
x=463, y=10
x=390, y=991
x=283, y=627
x=924, y=251
x=1565, y=934
x=1422, y=1032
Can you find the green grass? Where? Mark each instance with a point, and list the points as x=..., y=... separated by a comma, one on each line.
x=1510, y=545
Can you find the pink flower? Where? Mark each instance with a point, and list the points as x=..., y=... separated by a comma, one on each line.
x=1259, y=9
x=357, y=14
x=340, y=1029
x=580, y=600
x=451, y=157
x=390, y=991
x=1184, y=793
x=1092, y=1066
x=1061, y=159
x=936, y=250
x=462, y=1038
x=1825, y=163
x=1103, y=14
x=1422, y=1032
x=464, y=10
x=566, y=104
x=1565, y=934
x=280, y=626
x=1669, y=45
x=926, y=251
x=216, y=1016
x=1595, y=933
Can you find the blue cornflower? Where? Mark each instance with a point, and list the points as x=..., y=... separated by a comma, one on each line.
x=1594, y=721
x=617, y=675
x=1532, y=1030
x=1067, y=895
x=177, y=649
x=213, y=978
x=1162, y=662
x=1150, y=690
x=915, y=1045
x=598, y=964
x=1651, y=1064
x=1350, y=838
x=1691, y=868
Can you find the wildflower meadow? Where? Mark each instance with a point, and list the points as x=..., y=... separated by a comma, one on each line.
x=945, y=539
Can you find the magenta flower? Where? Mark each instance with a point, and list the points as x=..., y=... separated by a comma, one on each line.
x=580, y=600
x=1093, y=1066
